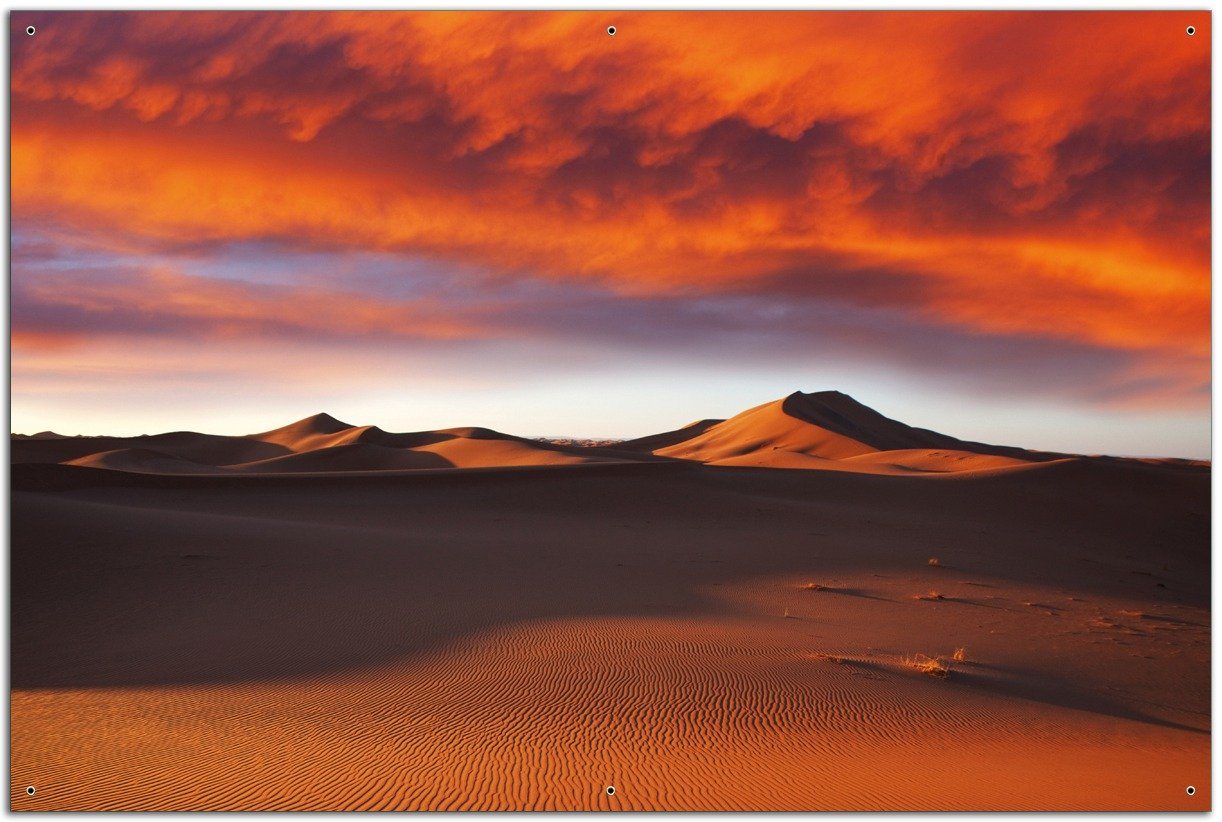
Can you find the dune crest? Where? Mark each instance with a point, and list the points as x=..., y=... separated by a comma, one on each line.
x=305, y=434
x=655, y=442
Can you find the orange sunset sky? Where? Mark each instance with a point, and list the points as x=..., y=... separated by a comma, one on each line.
x=992, y=224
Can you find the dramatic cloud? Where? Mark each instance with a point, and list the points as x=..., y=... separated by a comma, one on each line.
x=1032, y=186
x=158, y=302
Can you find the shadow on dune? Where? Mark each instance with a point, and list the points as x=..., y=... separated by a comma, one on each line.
x=186, y=445
x=972, y=602
x=840, y=413
x=139, y=579
x=1179, y=623
x=354, y=456
x=1014, y=682
x=850, y=592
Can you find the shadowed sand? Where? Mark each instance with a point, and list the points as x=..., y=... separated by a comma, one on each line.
x=518, y=625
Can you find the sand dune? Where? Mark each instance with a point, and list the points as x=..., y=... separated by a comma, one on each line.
x=774, y=426
x=831, y=431
x=521, y=640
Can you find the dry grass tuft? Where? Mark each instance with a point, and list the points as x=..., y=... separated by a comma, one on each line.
x=932, y=596
x=839, y=660
x=812, y=586
x=960, y=655
x=930, y=666
x=935, y=562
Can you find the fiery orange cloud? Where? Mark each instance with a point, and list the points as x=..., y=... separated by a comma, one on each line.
x=1021, y=173
x=160, y=301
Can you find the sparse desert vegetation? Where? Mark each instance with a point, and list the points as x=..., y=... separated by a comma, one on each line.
x=934, y=562
x=930, y=596
x=936, y=667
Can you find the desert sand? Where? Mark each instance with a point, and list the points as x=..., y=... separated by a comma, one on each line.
x=732, y=615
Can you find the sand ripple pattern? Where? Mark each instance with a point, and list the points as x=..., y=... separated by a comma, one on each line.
x=676, y=714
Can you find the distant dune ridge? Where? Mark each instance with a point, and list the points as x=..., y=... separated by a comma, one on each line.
x=826, y=430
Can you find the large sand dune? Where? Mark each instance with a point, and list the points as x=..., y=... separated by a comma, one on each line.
x=699, y=636
x=832, y=431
